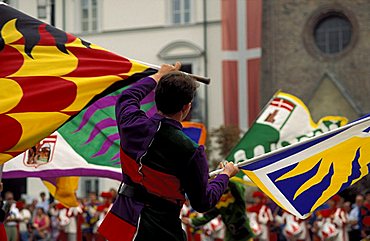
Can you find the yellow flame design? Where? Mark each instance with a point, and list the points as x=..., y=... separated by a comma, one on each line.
x=341, y=157
x=10, y=33
x=48, y=61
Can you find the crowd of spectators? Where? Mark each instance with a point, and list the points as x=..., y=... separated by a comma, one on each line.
x=336, y=220
x=42, y=220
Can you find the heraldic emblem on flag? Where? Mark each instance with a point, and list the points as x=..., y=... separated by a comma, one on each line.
x=285, y=120
x=47, y=76
x=40, y=154
x=303, y=176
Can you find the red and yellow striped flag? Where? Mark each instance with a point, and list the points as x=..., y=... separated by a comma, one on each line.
x=47, y=76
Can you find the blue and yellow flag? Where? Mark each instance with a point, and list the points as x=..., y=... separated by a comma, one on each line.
x=47, y=76
x=303, y=176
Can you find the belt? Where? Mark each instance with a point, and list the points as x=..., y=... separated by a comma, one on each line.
x=126, y=190
x=141, y=195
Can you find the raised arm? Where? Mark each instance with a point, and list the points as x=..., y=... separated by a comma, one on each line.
x=128, y=105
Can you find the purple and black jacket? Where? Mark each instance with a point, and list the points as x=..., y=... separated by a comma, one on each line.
x=159, y=165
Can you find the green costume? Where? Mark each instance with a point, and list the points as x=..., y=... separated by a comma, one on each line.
x=231, y=207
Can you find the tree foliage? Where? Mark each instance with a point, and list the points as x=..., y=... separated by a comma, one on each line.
x=220, y=142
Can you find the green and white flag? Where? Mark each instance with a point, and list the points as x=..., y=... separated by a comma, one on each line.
x=285, y=120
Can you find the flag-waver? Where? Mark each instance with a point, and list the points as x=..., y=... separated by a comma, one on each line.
x=47, y=76
x=303, y=176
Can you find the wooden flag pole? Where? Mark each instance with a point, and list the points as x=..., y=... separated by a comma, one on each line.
x=201, y=79
x=218, y=171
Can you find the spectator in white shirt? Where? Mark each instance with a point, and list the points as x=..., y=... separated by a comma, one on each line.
x=12, y=218
x=24, y=219
x=44, y=203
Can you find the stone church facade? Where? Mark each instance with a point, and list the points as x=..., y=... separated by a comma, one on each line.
x=318, y=50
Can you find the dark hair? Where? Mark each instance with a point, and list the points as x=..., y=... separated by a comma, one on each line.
x=42, y=209
x=174, y=90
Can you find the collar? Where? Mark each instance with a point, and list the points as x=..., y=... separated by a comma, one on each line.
x=167, y=120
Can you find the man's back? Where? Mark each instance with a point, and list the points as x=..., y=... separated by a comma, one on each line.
x=159, y=164
x=166, y=162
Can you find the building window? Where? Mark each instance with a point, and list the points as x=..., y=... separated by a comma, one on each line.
x=333, y=33
x=181, y=11
x=91, y=186
x=41, y=9
x=89, y=15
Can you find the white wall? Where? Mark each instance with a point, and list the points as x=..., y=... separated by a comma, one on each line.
x=215, y=100
x=28, y=7
x=126, y=14
x=34, y=188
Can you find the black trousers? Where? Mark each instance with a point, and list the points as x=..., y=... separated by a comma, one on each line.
x=156, y=224
x=354, y=235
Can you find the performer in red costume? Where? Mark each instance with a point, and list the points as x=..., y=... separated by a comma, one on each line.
x=332, y=221
x=261, y=215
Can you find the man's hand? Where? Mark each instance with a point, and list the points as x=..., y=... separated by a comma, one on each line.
x=229, y=169
x=186, y=220
x=165, y=69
